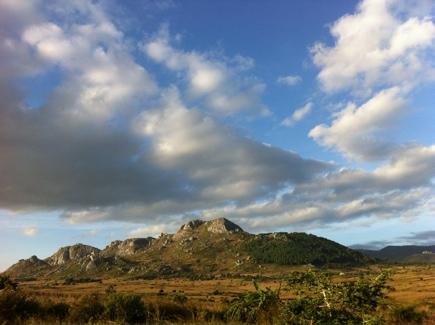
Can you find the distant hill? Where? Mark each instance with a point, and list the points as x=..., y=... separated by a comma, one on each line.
x=403, y=254
x=198, y=249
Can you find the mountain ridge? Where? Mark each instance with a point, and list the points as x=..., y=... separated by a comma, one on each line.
x=198, y=248
x=403, y=253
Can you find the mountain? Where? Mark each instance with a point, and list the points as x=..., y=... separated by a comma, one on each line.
x=198, y=249
x=403, y=254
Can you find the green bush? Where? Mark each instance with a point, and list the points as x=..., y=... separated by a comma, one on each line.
x=258, y=305
x=59, y=311
x=170, y=311
x=178, y=298
x=6, y=282
x=125, y=308
x=352, y=302
x=15, y=306
x=88, y=309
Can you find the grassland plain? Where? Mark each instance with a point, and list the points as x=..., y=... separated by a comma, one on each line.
x=411, y=285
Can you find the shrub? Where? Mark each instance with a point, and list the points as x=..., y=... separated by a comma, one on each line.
x=255, y=306
x=170, y=311
x=6, y=282
x=69, y=281
x=407, y=315
x=178, y=298
x=15, y=306
x=125, y=308
x=352, y=302
x=88, y=309
x=59, y=311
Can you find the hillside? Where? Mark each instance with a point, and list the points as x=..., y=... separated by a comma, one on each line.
x=403, y=254
x=198, y=249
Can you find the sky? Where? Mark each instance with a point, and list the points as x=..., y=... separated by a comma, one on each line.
x=126, y=119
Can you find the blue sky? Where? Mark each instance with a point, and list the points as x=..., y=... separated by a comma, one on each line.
x=123, y=119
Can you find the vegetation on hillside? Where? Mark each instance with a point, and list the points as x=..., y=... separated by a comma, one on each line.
x=300, y=248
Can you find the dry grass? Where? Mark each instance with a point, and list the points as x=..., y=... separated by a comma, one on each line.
x=412, y=285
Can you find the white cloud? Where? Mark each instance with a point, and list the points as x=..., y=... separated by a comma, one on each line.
x=109, y=146
x=152, y=230
x=378, y=45
x=290, y=80
x=298, y=115
x=30, y=231
x=353, y=130
x=102, y=77
x=220, y=85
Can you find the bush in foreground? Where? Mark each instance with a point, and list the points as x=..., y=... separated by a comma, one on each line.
x=351, y=302
x=258, y=305
x=128, y=309
x=88, y=309
x=16, y=306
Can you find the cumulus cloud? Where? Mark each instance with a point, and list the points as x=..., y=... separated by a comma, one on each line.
x=384, y=43
x=183, y=144
x=359, y=131
x=30, y=231
x=152, y=230
x=298, y=115
x=110, y=144
x=216, y=82
x=101, y=76
x=298, y=209
x=290, y=80
x=400, y=188
x=107, y=146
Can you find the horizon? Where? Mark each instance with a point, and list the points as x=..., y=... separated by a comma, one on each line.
x=122, y=120
x=210, y=220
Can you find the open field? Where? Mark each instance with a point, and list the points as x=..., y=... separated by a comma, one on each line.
x=411, y=285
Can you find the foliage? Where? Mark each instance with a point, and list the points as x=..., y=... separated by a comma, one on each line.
x=59, y=311
x=164, y=310
x=255, y=305
x=179, y=298
x=407, y=315
x=16, y=306
x=317, y=298
x=88, y=309
x=6, y=282
x=349, y=302
x=125, y=308
x=300, y=248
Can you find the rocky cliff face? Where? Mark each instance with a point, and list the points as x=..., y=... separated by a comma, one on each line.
x=128, y=247
x=216, y=226
x=72, y=253
x=222, y=225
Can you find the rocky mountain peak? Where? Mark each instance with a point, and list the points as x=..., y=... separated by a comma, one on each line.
x=215, y=226
x=72, y=253
x=222, y=225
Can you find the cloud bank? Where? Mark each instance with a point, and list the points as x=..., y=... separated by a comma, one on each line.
x=111, y=143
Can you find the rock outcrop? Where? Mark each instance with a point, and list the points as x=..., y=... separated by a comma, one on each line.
x=128, y=247
x=72, y=253
x=187, y=229
x=222, y=226
x=216, y=226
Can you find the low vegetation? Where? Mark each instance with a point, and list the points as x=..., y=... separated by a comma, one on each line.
x=303, y=297
x=299, y=249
